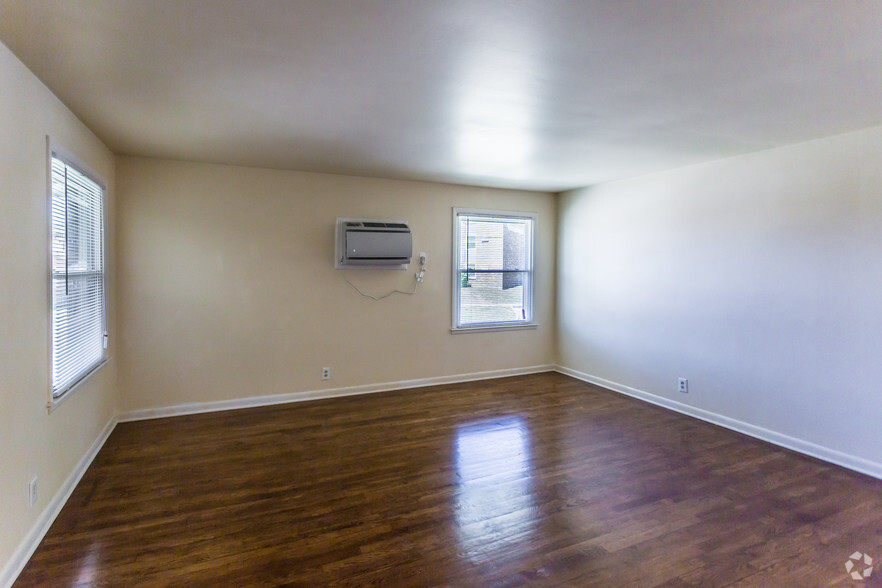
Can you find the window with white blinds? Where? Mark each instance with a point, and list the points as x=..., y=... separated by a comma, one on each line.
x=77, y=266
x=492, y=269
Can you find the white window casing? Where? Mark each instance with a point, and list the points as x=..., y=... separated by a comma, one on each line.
x=77, y=281
x=493, y=273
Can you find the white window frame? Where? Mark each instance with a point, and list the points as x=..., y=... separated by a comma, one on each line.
x=526, y=323
x=56, y=151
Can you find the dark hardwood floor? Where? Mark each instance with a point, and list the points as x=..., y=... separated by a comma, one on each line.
x=533, y=480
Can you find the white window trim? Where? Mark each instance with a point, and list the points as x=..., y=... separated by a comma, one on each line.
x=500, y=326
x=58, y=151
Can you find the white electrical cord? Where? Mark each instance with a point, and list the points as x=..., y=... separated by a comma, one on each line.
x=411, y=293
x=418, y=276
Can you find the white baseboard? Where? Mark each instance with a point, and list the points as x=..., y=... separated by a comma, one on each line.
x=833, y=456
x=32, y=540
x=236, y=403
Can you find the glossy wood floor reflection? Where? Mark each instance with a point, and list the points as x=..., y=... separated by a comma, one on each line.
x=533, y=480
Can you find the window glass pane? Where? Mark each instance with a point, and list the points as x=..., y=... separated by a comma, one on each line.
x=492, y=244
x=78, y=327
x=486, y=298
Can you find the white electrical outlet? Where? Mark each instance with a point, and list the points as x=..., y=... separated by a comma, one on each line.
x=683, y=385
x=32, y=492
x=326, y=373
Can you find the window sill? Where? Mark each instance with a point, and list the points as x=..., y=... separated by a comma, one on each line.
x=56, y=402
x=494, y=328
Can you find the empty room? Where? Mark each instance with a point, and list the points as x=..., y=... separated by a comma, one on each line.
x=440, y=293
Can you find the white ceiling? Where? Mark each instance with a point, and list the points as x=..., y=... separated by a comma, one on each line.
x=535, y=94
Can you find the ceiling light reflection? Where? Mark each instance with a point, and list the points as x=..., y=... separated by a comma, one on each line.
x=89, y=566
x=495, y=508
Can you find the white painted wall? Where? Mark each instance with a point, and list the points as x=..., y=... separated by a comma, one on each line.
x=227, y=286
x=758, y=277
x=32, y=441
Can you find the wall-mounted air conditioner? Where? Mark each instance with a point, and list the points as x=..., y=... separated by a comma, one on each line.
x=372, y=244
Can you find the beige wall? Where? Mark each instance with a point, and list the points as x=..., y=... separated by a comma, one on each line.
x=33, y=442
x=758, y=278
x=227, y=284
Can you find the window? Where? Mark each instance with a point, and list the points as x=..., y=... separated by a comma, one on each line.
x=77, y=275
x=493, y=269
